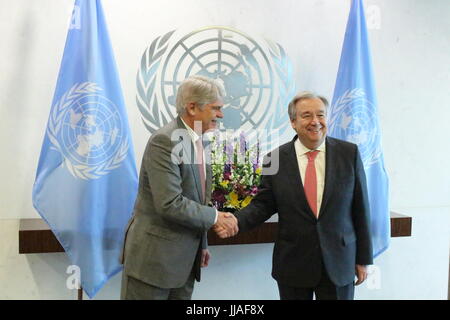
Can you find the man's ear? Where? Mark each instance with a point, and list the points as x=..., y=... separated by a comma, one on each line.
x=190, y=108
x=293, y=124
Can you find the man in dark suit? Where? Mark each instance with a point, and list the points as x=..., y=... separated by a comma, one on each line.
x=166, y=240
x=320, y=194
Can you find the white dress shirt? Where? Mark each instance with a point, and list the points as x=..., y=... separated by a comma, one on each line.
x=194, y=136
x=319, y=162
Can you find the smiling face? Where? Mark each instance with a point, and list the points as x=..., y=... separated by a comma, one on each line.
x=208, y=115
x=310, y=122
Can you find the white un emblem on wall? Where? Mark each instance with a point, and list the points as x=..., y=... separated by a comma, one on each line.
x=257, y=79
x=86, y=128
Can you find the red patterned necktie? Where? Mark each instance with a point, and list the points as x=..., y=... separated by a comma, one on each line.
x=201, y=165
x=311, y=181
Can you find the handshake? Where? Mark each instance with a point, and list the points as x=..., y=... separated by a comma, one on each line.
x=226, y=225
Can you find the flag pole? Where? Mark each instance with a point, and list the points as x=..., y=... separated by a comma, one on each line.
x=80, y=293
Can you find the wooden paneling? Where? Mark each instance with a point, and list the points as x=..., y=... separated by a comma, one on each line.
x=265, y=233
x=36, y=237
x=401, y=225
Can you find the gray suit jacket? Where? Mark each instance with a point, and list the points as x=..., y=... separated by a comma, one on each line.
x=170, y=222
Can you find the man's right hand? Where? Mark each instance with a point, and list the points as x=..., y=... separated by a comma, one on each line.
x=226, y=225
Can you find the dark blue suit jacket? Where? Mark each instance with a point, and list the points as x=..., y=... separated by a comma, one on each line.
x=338, y=239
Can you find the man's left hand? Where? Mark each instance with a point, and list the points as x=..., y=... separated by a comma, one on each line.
x=361, y=274
x=205, y=258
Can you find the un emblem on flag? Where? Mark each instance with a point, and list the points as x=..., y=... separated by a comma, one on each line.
x=353, y=119
x=257, y=77
x=86, y=128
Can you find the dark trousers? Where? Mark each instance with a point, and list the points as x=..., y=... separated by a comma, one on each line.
x=324, y=290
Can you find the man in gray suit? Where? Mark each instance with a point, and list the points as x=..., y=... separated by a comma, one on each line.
x=166, y=240
x=319, y=192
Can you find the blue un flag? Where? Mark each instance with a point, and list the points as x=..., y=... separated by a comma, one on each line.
x=353, y=117
x=86, y=180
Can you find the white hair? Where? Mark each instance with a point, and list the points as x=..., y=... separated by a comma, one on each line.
x=303, y=96
x=200, y=90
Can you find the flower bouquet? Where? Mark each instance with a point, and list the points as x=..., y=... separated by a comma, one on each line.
x=236, y=173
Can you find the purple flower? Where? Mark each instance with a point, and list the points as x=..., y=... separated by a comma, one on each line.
x=227, y=175
x=228, y=148
x=257, y=151
x=218, y=197
x=242, y=143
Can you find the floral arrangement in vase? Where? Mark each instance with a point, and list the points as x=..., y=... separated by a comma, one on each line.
x=236, y=173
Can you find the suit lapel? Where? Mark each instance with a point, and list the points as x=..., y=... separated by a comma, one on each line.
x=208, y=183
x=207, y=145
x=330, y=169
x=188, y=147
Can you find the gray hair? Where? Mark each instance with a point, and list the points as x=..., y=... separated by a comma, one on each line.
x=303, y=96
x=200, y=90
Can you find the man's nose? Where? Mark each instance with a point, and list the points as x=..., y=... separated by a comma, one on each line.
x=219, y=114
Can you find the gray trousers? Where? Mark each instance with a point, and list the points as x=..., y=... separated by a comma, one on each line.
x=134, y=289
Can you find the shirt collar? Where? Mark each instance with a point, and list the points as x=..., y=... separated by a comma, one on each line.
x=194, y=136
x=303, y=150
